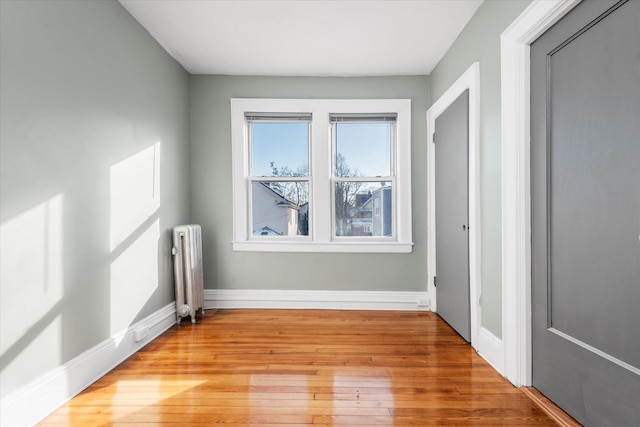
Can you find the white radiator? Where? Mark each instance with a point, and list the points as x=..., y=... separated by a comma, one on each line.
x=187, y=267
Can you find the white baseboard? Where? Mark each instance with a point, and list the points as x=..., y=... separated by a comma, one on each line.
x=33, y=402
x=330, y=300
x=490, y=348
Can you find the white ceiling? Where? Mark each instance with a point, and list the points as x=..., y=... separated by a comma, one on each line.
x=305, y=37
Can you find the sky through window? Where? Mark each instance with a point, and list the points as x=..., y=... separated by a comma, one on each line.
x=365, y=147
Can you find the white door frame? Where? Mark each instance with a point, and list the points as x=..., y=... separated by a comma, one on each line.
x=516, y=174
x=469, y=80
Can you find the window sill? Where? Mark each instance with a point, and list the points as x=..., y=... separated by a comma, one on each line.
x=329, y=247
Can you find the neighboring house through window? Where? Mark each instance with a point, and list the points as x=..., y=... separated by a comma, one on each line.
x=321, y=175
x=272, y=213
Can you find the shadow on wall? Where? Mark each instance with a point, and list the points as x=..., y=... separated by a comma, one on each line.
x=134, y=234
x=32, y=277
x=42, y=266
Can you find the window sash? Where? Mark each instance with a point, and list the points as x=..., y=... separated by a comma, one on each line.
x=273, y=218
x=394, y=200
x=392, y=148
x=265, y=118
x=391, y=179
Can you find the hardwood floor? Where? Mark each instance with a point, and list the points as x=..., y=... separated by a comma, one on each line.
x=304, y=367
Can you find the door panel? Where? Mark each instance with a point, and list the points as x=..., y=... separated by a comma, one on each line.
x=585, y=174
x=452, y=217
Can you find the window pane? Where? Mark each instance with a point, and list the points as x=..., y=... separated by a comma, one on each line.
x=362, y=149
x=279, y=149
x=363, y=209
x=280, y=208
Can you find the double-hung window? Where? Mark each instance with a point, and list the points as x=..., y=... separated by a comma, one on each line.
x=363, y=175
x=321, y=175
x=278, y=175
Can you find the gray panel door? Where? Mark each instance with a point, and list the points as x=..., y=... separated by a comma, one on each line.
x=585, y=177
x=452, y=215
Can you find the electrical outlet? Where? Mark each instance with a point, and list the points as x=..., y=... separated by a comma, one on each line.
x=141, y=333
x=422, y=302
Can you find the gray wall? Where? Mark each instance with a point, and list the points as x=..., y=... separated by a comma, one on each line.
x=85, y=92
x=480, y=41
x=211, y=190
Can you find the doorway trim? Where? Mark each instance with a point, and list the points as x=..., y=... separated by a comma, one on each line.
x=515, y=43
x=470, y=80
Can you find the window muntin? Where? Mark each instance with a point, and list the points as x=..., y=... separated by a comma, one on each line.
x=318, y=214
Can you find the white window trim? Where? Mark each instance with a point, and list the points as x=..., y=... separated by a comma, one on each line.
x=320, y=215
